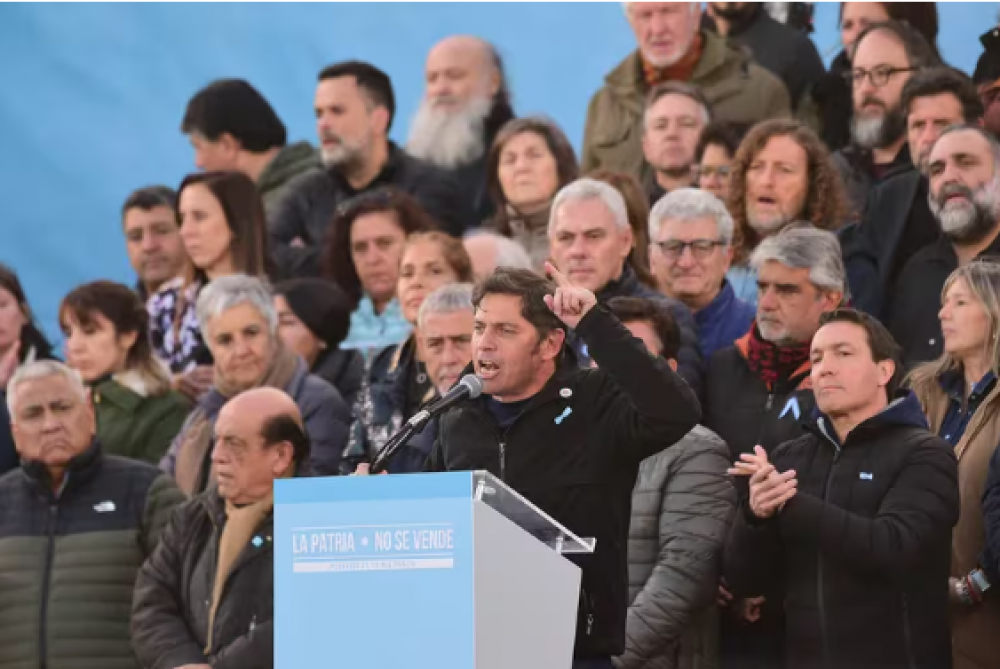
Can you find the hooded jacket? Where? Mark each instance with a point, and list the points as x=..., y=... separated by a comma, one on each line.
x=575, y=451
x=291, y=161
x=862, y=550
x=740, y=93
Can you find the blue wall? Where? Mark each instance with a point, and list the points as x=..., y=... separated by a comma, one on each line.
x=92, y=95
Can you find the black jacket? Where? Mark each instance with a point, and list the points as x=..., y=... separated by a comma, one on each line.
x=309, y=202
x=68, y=561
x=581, y=468
x=171, y=604
x=896, y=224
x=832, y=97
x=784, y=51
x=863, y=549
x=343, y=369
x=912, y=312
x=857, y=170
x=690, y=364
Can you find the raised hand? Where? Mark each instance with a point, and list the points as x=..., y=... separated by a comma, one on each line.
x=570, y=303
x=749, y=463
x=769, y=490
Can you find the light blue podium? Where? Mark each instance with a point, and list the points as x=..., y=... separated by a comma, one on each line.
x=420, y=571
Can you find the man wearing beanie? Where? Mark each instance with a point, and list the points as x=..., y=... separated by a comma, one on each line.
x=987, y=79
x=313, y=318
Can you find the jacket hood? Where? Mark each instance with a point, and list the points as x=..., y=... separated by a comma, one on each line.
x=904, y=411
x=293, y=159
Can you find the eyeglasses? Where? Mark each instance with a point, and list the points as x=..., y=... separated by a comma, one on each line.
x=709, y=172
x=701, y=249
x=879, y=76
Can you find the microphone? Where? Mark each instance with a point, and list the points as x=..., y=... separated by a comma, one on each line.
x=470, y=387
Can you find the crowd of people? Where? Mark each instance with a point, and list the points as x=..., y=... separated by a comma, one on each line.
x=771, y=291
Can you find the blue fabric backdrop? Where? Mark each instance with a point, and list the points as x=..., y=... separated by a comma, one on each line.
x=91, y=95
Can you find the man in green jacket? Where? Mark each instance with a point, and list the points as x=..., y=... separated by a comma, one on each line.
x=232, y=127
x=75, y=527
x=672, y=48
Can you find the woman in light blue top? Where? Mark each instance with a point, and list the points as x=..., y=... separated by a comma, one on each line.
x=362, y=257
x=782, y=175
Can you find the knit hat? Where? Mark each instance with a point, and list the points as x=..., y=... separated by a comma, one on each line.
x=321, y=306
x=988, y=68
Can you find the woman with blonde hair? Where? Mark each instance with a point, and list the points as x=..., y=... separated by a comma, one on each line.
x=961, y=397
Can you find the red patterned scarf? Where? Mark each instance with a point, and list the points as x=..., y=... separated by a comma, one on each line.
x=772, y=363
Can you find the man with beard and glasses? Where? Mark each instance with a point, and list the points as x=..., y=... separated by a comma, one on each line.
x=355, y=106
x=676, y=113
x=898, y=221
x=466, y=102
x=964, y=173
x=885, y=56
x=779, y=48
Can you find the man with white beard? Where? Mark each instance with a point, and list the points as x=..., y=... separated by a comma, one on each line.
x=964, y=173
x=466, y=102
x=885, y=57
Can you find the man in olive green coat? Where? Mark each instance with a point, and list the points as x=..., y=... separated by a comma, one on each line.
x=672, y=48
x=75, y=527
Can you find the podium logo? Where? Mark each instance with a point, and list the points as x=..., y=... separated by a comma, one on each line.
x=373, y=548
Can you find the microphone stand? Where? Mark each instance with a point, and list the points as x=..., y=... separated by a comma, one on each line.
x=413, y=427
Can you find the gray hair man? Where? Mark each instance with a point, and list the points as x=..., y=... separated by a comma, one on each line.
x=691, y=248
x=466, y=102
x=676, y=114
x=759, y=391
x=240, y=327
x=964, y=172
x=590, y=240
x=489, y=250
x=68, y=501
x=444, y=327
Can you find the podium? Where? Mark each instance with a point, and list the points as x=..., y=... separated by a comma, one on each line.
x=420, y=571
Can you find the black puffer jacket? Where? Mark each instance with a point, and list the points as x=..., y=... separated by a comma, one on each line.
x=170, y=609
x=575, y=452
x=308, y=204
x=863, y=549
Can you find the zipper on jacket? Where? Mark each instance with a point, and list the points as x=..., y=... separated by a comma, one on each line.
x=770, y=402
x=46, y=580
x=503, y=459
x=589, y=608
x=820, y=598
x=908, y=634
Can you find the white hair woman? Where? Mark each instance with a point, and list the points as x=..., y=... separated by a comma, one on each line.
x=240, y=326
x=961, y=397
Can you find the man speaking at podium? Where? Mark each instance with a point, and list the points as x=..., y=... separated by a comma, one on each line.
x=568, y=439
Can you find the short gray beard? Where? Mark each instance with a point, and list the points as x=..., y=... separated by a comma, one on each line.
x=970, y=223
x=877, y=132
x=447, y=138
x=347, y=156
x=767, y=226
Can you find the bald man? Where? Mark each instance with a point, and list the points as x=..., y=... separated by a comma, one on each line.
x=465, y=103
x=181, y=616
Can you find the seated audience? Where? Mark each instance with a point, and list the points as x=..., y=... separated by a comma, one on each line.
x=961, y=400
x=530, y=161
x=676, y=114
x=223, y=231
x=682, y=505
x=964, y=173
x=232, y=127
x=782, y=174
x=591, y=239
x=313, y=318
x=852, y=521
x=466, y=102
x=107, y=343
x=241, y=329
x=713, y=160
x=153, y=238
x=399, y=385
x=362, y=258
x=691, y=248
x=76, y=525
x=488, y=250
x=355, y=106
x=759, y=393
x=671, y=47
x=637, y=206
x=885, y=56
x=21, y=342
x=205, y=597
x=898, y=221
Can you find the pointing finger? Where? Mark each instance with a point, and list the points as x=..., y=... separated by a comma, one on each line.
x=557, y=276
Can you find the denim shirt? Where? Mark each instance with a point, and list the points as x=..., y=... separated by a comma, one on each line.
x=744, y=281
x=958, y=416
x=371, y=331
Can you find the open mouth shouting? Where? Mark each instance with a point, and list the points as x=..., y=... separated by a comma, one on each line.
x=487, y=369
